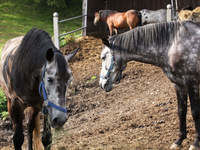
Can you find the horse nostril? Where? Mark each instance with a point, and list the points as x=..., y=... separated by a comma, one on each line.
x=55, y=121
x=58, y=122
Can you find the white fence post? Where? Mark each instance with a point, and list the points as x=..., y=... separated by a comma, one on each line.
x=169, y=12
x=84, y=12
x=56, y=30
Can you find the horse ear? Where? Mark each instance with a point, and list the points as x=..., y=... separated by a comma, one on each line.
x=49, y=54
x=71, y=55
x=105, y=42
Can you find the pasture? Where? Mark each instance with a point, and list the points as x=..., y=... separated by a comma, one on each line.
x=139, y=113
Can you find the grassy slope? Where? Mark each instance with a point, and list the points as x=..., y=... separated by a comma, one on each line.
x=16, y=18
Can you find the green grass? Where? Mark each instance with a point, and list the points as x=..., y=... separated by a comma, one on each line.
x=17, y=17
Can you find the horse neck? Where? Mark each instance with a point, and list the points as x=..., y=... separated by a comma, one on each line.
x=150, y=56
x=148, y=44
x=104, y=19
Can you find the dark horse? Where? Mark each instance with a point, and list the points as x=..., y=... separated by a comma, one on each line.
x=116, y=20
x=153, y=16
x=35, y=75
x=172, y=46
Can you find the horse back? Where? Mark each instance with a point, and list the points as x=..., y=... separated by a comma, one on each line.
x=124, y=19
x=6, y=63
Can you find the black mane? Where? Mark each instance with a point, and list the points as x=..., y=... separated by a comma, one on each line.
x=32, y=50
x=28, y=61
x=157, y=35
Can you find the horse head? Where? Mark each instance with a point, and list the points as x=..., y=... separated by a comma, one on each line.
x=56, y=76
x=97, y=17
x=112, y=66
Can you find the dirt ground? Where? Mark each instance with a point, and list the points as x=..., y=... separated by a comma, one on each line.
x=140, y=113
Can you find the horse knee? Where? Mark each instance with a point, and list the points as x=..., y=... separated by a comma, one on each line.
x=46, y=135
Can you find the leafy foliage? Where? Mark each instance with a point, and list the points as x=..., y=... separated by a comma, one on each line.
x=50, y=3
x=3, y=106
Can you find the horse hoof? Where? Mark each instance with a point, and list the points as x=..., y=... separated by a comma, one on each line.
x=192, y=147
x=175, y=146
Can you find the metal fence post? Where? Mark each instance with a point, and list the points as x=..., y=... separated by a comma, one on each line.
x=56, y=30
x=84, y=12
x=169, y=12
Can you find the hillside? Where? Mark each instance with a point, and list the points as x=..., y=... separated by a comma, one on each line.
x=18, y=17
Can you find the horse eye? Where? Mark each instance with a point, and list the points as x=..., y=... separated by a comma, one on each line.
x=50, y=80
x=103, y=58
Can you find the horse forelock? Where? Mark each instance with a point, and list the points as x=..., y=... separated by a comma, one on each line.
x=158, y=35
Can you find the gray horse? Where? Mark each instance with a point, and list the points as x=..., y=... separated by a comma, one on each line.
x=172, y=46
x=153, y=16
x=34, y=74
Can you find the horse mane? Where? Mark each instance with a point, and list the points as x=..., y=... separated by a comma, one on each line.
x=105, y=13
x=157, y=35
x=29, y=59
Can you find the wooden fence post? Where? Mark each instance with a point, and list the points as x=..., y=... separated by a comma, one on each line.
x=56, y=30
x=84, y=20
x=169, y=13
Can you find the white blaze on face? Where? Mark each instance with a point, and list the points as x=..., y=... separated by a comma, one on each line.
x=51, y=84
x=106, y=58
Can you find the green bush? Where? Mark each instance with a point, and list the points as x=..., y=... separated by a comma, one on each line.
x=3, y=105
x=70, y=38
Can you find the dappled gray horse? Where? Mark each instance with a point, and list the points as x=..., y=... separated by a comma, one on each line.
x=153, y=16
x=34, y=74
x=175, y=48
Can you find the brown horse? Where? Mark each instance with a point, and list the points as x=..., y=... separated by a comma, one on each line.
x=34, y=74
x=116, y=20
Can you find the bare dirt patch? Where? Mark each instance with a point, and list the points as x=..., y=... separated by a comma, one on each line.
x=140, y=113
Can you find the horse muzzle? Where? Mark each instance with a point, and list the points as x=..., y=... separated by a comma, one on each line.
x=58, y=120
x=106, y=85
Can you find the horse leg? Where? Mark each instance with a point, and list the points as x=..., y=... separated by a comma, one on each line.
x=9, y=105
x=195, y=105
x=31, y=114
x=47, y=136
x=9, y=109
x=110, y=26
x=17, y=116
x=36, y=134
x=181, y=94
